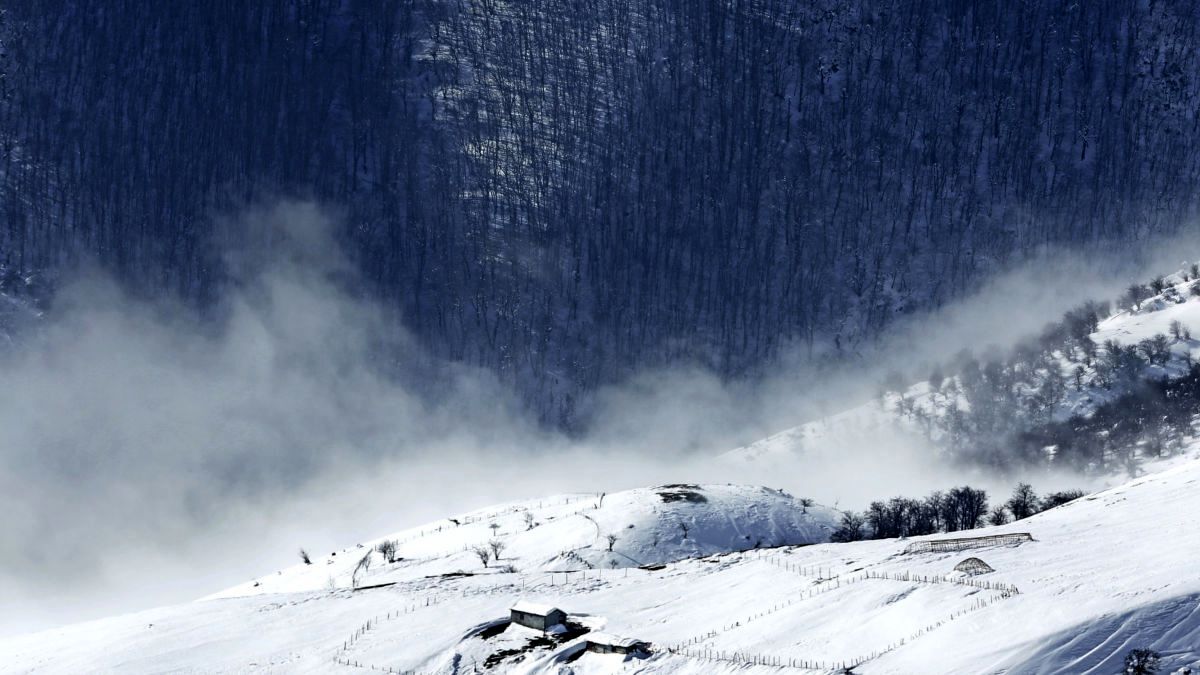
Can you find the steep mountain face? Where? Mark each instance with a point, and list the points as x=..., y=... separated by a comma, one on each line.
x=564, y=192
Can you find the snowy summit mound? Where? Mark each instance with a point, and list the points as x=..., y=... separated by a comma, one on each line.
x=663, y=524
x=568, y=533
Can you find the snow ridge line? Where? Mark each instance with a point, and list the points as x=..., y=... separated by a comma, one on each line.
x=470, y=520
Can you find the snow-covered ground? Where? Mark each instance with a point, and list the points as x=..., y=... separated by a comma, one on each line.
x=570, y=532
x=717, y=578
x=1103, y=575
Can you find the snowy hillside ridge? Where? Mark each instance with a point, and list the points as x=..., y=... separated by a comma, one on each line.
x=567, y=533
x=1076, y=597
x=1032, y=404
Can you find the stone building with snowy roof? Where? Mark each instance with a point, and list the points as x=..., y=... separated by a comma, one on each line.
x=536, y=616
x=604, y=643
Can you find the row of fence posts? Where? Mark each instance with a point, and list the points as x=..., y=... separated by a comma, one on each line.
x=340, y=655
x=986, y=585
x=824, y=576
x=746, y=658
x=750, y=659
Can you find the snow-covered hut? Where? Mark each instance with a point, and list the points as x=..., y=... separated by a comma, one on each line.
x=973, y=566
x=533, y=615
x=603, y=643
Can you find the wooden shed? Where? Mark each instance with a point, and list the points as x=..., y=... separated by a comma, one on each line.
x=603, y=643
x=539, y=617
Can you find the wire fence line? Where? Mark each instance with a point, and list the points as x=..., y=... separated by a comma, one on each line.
x=834, y=584
x=824, y=575
x=341, y=655
x=964, y=543
x=749, y=658
x=827, y=581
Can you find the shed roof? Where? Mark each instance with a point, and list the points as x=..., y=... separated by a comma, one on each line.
x=535, y=608
x=973, y=566
x=612, y=640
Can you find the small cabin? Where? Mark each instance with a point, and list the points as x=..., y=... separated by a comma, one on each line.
x=603, y=643
x=538, y=617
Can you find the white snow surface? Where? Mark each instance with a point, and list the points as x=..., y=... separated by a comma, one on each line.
x=1105, y=574
x=570, y=532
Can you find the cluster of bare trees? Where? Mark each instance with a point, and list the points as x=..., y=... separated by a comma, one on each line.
x=489, y=552
x=961, y=508
x=1014, y=408
x=566, y=191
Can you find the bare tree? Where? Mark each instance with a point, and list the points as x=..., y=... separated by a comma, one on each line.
x=528, y=520
x=1176, y=329
x=1156, y=349
x=850, y=529
x=483, y=553
x=805, y=502
x=497, y=547
x=612, y=539
x=387, y=548
x=964, y=508
x=304, y=557
x=1023, y=502
x=998, y=516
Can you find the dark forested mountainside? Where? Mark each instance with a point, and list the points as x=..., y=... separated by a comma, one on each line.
x=564, y=191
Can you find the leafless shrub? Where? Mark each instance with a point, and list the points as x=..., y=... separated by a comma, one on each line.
x=387, y=549
x=497, y=547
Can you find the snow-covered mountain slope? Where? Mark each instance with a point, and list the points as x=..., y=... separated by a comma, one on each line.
x=914, y=414
x=649, y=526
x=1103, y=575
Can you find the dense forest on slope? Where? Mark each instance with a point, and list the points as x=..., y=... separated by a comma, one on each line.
x=566, y=191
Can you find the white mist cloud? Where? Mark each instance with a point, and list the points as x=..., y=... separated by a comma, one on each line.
x=150, y=455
